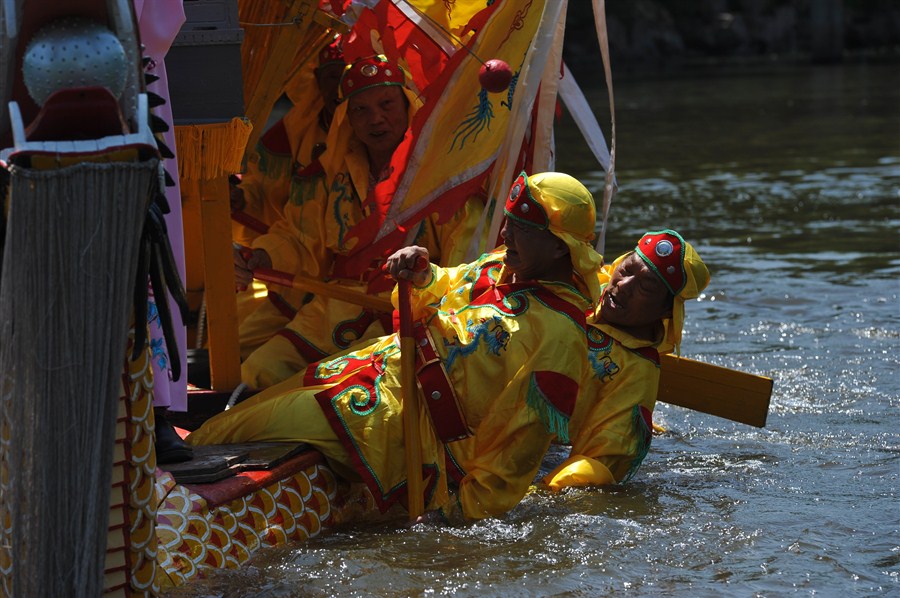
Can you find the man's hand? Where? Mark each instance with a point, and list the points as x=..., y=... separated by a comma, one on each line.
x=247, y=260
x=409, y=263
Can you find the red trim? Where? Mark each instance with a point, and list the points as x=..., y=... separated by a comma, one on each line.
x=648, y=353
x=307, y=350
x=276, y=140
x=249, y=221
x=495, y=296
x=283, y=307
x=385, y=498
x=560, y=390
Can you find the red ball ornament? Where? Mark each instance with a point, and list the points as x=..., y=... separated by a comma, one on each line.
x=495, y=75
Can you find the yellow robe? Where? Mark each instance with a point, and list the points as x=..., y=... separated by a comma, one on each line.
x=282, y=169
x=513, y=355
x=612, y=424
x=307, y=240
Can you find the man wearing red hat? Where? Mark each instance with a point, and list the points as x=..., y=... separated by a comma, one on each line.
x=500, y=355
x=369, y=124
x=641, y=314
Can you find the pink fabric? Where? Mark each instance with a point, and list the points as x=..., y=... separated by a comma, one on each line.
x=158, y=22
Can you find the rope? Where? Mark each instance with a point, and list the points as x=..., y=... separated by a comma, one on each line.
x=201, y=323
x=234, y=396
x=295, y=21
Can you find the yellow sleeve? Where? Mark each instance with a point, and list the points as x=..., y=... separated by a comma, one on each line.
x=264, y=196
x=296, y=242
x=611, y=436
x=579, y=470
x=504, y=464
x=440, y=284
x=449, y=242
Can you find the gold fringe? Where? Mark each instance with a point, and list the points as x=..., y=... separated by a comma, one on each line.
x=207, y=152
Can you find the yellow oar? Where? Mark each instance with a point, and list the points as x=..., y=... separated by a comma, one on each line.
x=723, y=392
x=328, y=289
x=410, y=394
x=712, y=389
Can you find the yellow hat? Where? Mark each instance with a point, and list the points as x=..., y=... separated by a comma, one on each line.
x=683, y=272
x=559, y=203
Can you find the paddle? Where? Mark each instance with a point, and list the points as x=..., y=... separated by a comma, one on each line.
x=410, y=396
x=715, y=390
x=711, y=389
x=333, y=290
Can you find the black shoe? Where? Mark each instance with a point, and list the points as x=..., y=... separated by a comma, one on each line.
x=170, y=448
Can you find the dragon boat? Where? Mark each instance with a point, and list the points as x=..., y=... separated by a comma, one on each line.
x=84, y=181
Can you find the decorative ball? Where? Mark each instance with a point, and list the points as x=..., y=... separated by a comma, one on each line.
x=495, y=75
x=73, y=52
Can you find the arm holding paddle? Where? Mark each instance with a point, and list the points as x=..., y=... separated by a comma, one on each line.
x=247, y=260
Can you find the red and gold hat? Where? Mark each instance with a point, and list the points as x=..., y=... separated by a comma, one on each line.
x=674, y=260
x=523, y=207
x=368, y=72
x=664, y=253
x=559, y=203
x=333, y=53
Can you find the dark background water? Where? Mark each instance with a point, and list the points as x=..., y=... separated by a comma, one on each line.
x=787, y=180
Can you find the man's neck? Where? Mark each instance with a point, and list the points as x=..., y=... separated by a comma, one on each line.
x=378, y=168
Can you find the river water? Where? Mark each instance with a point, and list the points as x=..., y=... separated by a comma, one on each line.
x=787, y=181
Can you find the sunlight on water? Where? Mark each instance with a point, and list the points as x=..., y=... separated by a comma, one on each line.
x=788, y=183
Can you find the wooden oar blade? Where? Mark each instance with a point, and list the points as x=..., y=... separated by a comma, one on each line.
x=719, y=391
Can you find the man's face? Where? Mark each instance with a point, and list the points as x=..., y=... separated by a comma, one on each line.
x=378, y=116
x=327, y=78
x=635, y=296
x=530, y=252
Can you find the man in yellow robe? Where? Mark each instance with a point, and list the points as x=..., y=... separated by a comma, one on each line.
x=640, y=315
x=369, y=125
x=285, y=168
x=500, y=349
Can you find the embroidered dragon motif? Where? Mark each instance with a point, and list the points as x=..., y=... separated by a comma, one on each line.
x=489, y=331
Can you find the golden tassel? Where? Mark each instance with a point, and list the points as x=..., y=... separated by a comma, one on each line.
x=211, y=151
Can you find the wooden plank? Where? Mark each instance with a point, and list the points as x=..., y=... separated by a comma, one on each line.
x=221, y=313
x=719, y=391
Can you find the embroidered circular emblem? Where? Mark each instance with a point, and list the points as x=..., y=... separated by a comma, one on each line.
x=670, y=270
x=664, y=248
x=360, y=399
x=369, y=70
x=516, y=190
x=525, y=208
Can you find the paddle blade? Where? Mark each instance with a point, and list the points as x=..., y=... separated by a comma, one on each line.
x=737, y=396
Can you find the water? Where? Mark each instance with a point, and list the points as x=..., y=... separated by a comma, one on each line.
x=787, y=180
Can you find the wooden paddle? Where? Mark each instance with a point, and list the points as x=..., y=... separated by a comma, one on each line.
x=712, y=389
x=715, y=390
x=410, y=395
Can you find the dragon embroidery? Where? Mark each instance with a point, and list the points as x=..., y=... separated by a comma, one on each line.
x=344, y=195
x=490, y=331
x=475, y=121
x=599, y=346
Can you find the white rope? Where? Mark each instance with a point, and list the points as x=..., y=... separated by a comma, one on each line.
x=201, y=324
x=234, y=396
